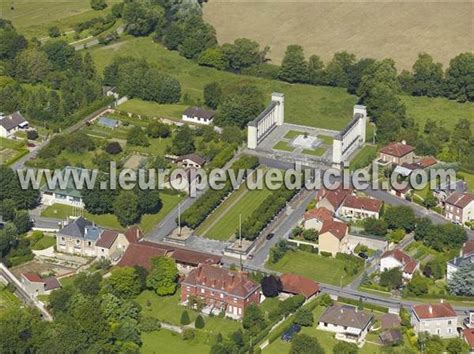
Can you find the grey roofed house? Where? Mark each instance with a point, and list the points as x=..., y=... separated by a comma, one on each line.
x=199, y=113
x=193, y=157
x=13, y=121
x=346, y=316
x=391, y=336
x=81, y=228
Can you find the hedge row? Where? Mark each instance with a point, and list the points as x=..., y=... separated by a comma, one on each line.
x=264, y=214
x=366, y=305
x=211, y=199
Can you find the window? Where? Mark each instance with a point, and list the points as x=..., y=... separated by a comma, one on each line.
x=325, y=324
x=78, y=242
x=449, y=322
x=89, y=243
x=62, y=238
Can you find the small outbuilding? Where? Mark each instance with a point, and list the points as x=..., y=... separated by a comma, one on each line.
x=198, y=115
x=298, y=285
x=108, y=122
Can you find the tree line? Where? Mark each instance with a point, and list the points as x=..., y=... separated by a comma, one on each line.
x=211, y=199
x=64, y=80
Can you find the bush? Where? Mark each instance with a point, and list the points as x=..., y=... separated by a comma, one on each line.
x=304, y=317
x=188, y=334
x=149, y=324
x=113, y=148
x=325, y=254
x=32, y=134
x=54, y=32
x=199, y=322
x=185, y=320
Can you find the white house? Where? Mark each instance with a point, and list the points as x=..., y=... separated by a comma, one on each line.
x=396, y=258
x=198, y=115
x=191, y=160
x=69, y=195
x=360, y=207
x=435, y=319
x=349, y=323
x=11, y=124
x=36, y=285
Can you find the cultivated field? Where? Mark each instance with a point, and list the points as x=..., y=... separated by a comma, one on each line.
x=33, y=18
x=376, y=29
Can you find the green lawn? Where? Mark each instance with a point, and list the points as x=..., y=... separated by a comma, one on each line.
x=325, y=107
x=319, y=151
x=364, y=157
x=157, y=147
x=283, y=145
x=445, y=112
x=167, y=309
x=11, y=150
x=7, y=300
x=326, y=139
x=293, y=134
x=162, y=341
x=323, y=269
x=44, y=242
x=153, y=109
x=147, y=222
x=469, y=179
x=33, y=18
x=228, y=222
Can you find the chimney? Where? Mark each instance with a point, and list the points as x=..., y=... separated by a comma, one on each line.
x=138, y=234
x=442, y=301
x=430, y=309
x=404, y=142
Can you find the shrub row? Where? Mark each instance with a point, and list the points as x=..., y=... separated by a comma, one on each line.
x=211, y=199
x=366, y=305
x=264, y=214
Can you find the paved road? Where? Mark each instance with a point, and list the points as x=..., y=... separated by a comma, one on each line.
x=168, y=223
x=419, y=210
x=282, y=231
x=30, y=155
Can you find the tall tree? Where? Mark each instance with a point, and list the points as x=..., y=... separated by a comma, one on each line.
x=460, y=78
x=183, y=141
x=126, y=208
x=462, y=281
x=427, y=76
x=294, y=67
x=212, y=94
x=163, y=277
x=304, y=344
x=124, y=282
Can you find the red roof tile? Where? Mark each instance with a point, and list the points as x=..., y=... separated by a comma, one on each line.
x=397, y=149
x=214, y=277
x=296, y=284
x=107, y=239
x=409, y=264
x=460, y=200
x=363, y=203
x=33, y=277
x=322, y=214
x=468, y=334
x=468, y=248
x=133, y=234
x=140, y=255
x=335, y=228
x=427, y=161
x=334, y=196
x=427, y=311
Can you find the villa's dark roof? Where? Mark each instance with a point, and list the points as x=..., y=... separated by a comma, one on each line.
x=347, y=316
x=81, y=228
x=199, y=112
x=12, y=121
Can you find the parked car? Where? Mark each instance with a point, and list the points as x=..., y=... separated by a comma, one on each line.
x=288, y=335
x=270, y=236
x=363, y=255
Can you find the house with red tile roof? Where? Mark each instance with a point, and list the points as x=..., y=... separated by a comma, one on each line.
x=396, y=258
x=333, y=237
x=436, y=319
x=426, y=161
x=332, y=199
x=459, y=207
x=314, y=218
x=357, y=207
x=468, y=335
x=221, y=290
x=397, y=153
x=35, y=285
x=298, y=285
x=140, y=254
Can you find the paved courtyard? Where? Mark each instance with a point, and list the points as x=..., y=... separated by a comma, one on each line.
x=299, y=141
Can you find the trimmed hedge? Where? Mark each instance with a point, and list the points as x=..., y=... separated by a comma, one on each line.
x=366, y=305
x=264, y=214
x=211, y=199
